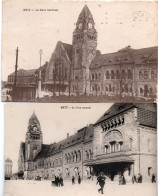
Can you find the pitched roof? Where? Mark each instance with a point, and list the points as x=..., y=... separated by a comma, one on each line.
x=89, y=133
x=85, y=16
x=147, y=115
x=29, y=72
x=125, y=55
x=69, y=141
x=43, y=67
x=33, y=119
x=68, y=49
x=117, y=108
x=83, y=135
x=43, y=151
x=23, y=72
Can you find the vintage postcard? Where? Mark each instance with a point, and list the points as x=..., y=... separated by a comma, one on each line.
x=81, y=149
x=79, y=51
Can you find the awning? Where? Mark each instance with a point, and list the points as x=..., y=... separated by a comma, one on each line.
x=19, y=173
x=109, y=160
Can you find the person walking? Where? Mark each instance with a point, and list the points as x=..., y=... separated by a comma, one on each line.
x=61, y=181
x=140, y=178
x=153, y=178
x=123, y=180
x=101, y=180
x=120, y=179
x=79, y=179
x=73, y=180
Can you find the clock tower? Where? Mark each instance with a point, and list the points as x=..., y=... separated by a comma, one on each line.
x=33, y=141
x=84, y=50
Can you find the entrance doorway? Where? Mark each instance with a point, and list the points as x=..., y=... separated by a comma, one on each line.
x=113, y=169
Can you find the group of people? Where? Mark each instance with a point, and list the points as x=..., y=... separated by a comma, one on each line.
x=58, y=181
x=122, y=180
x=101, y=180
x=73, y=180
x=137, y=179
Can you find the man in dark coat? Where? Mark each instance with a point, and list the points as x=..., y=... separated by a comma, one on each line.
x=79, y=179
x=140, y=178
x=153, y=178
x=101, y=181
x=73, y=180
x=61, y=181
x=57, y=181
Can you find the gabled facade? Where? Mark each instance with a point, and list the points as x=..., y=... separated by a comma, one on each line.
x=123, y=140
x=57, y=76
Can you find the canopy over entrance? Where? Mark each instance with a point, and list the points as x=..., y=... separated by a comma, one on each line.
x=112, y=166
x=110, y=160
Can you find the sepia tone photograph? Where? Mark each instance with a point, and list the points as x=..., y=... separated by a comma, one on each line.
x=104, y=148
x=79, y=51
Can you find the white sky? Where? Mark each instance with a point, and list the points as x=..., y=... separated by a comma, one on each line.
x=118, y=25
x=55, y=122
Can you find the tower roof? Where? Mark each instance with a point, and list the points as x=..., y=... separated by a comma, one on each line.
x=85, y=16
x=33, y=119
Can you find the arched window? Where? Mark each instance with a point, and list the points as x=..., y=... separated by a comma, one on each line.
x=76, y=156
x=152, y=75
x=126, y=88
x=92, y=76
x=129, y=73
x=110, y=87
x=69, y=158
x=150, y=90
x=87, y=155
x=140, y=75
x=79, y=155
x=117, y=74
x=106, y=88
x=123, y=74
x=117, y=147
x=91, y=154
x=145, y=75
x=141, y=90
x=113, y=88
x=112, y=75
x=130, y=143
x=96, y=77
x=107, y=75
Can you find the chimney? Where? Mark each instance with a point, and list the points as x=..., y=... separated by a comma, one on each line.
x=67, y=135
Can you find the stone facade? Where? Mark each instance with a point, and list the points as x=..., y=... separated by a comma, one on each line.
x=125, y=73
x=123, y=140
x=80, y=69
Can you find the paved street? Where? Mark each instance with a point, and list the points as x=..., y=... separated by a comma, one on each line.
x=44, y=188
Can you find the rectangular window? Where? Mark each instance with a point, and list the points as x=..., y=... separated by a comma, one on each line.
x=149, y=171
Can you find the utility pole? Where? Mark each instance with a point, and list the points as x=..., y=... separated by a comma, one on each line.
x=39, y=77
x=15, y=77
